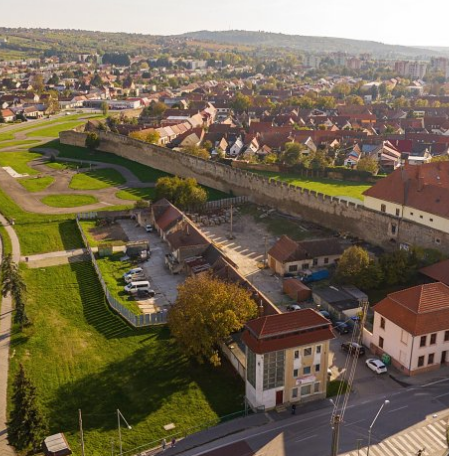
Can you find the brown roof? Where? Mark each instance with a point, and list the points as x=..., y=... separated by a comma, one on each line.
x=438, y=271
x=286, y=250
x=424, y=187
x=418, y=310
x=287, y=330
x=186, y=236
x=166, y=215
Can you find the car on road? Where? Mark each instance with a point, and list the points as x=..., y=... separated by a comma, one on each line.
x=376, y=365
x=142, y=295
x=341, y=327
x=353, y=348
x=134, y=287
x=149, y=228
x=293, y=307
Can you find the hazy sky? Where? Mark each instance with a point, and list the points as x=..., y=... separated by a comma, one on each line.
x=390, y=21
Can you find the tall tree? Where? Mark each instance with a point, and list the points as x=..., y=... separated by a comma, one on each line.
x=92, y=140
x=27, y=425
x=181, y=192
x=104, y=108
x=207, y=311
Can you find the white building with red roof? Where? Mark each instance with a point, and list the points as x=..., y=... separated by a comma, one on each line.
x=412, y=327
x=286, y=358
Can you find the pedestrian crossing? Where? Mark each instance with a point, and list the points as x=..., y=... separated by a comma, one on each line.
x=430, y=438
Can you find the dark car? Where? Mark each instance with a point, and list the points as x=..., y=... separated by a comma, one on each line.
x=143, y=294
x=353, y=348
x=341, y=327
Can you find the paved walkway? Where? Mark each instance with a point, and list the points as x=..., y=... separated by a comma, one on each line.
x=5, y=339
x=55, y=258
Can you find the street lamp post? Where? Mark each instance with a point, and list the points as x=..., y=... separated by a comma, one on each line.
x=119, y=414
x=386, y=402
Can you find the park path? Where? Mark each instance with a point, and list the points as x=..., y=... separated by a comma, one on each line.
x=5, y=341
x=43, y=260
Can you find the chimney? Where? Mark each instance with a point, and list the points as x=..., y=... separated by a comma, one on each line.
x=261, y=309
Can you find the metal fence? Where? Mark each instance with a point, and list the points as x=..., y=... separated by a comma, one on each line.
x=137, y=321
x=218, y=205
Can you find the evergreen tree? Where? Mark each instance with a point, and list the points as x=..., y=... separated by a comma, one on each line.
x=27, y=426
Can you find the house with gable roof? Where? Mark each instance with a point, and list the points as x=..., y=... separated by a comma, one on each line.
x=412, y=327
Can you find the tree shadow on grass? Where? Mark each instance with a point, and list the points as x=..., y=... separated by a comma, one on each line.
x=70, y=235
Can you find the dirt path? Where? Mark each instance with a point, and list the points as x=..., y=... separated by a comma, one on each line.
x=5, y=341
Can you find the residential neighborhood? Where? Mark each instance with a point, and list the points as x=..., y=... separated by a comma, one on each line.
x=222, y=243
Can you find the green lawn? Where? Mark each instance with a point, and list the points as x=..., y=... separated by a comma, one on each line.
x=62, y=165
x=97, y=179
x=69, y=200
x=112, y=270
x=23, y=142
x=6, y=241
x=53, y=130
x=136, y=194
x=333, y=387
x=326, y=186
x=19, y=161
x=81, y=356
x=36, y=184
x=7, y=136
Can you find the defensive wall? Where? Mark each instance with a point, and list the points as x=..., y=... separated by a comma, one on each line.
x=331, y=212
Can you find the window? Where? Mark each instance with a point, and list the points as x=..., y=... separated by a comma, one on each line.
x=398, y=211
x=306, y=390
x=420, y=216
x=382, y=322
x=293, y=268
x=305, y=266
x=317, y=367
x=326, y=260
x=315, y=261
x=308, y=351
x=251, y=368
x=393, y=228
x=316, y=387
x=446, y=336
x=422, y=341
x=421, y=361
x=295, y=392
x=295, y=372
x=318, y=349
x=437, y=241
x=273, y=370
x=431, y=219
x=411, y=213
x=306, y=370
x=381, y=342
x=383, y=208
x=433, y=339
x=431, y=358
x=296, y=354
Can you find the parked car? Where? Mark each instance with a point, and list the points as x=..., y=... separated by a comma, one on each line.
x=341, y=327
x=135, y=277
x=293, y=307
x=326, y=314
x=316, y=276
x=134, y=287
x=133, y=271
x=149, y=228
x=376, y=365
x=143, y=294
x=353, y=348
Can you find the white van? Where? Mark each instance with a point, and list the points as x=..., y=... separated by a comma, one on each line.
x=134, y=287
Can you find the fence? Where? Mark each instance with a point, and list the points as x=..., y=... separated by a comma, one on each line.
x=137, y=321
x=218, y=205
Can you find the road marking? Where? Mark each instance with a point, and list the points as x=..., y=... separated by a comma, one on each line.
x=355, y=422
x=307, y=438
x=441, y=395
x=435, y=382
x=397, y=409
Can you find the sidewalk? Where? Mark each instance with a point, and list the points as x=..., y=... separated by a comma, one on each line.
x=54, y=258
x=5, y=340
x=422, y=379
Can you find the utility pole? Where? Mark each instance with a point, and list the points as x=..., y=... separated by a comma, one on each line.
x=81, y=431
x=231, y=236
x=265, y=256
x=335, y=434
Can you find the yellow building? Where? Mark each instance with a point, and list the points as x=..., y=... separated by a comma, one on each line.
x=286, y=358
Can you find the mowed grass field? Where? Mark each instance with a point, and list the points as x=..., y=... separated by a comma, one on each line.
x=36, y=184
x=326, y=186
x=18, y=161
x=69, y=200
x=23, y=142
x=97, y=179
x=80, y=355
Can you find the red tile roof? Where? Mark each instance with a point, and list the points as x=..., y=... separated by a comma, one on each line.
x=438, y=271
x=424, y=187
x=418, y=310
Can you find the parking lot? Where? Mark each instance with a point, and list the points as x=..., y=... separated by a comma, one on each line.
x=162, y=281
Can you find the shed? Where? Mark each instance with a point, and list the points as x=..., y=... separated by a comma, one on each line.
x=56, y=445
x=337, y=302
x=139, y=249
x=296, y=289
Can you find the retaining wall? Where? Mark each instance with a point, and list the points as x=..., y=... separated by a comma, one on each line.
x=331, y=212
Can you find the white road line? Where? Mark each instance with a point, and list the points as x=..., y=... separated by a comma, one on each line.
x=307, y=438
x=384, y=449
x=397, y=409
x=408, y=443
x=428, y=440
x=436, y=435
x=393, y=448
x=436, y=382
x=355, y=422
x=441, y=395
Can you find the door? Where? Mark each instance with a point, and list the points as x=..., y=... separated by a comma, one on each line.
x=279, y=397
x=443, y=357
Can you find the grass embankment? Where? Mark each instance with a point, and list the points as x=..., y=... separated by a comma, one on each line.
x=24, y=142
x=102, y=365
x=53, y=130
x=69, y=200
x=18, y=161
x=36, y=184
x=326, y=186
x=97, y=179
x=136, y=194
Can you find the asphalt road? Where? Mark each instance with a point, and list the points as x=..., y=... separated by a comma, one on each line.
x=310, y=434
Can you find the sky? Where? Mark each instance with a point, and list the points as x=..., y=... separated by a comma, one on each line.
x=405, y=22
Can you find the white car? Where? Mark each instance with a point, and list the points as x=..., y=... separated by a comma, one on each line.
x=376, y=365
x=149, y=228
x=133, y=272
x=293, y=307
